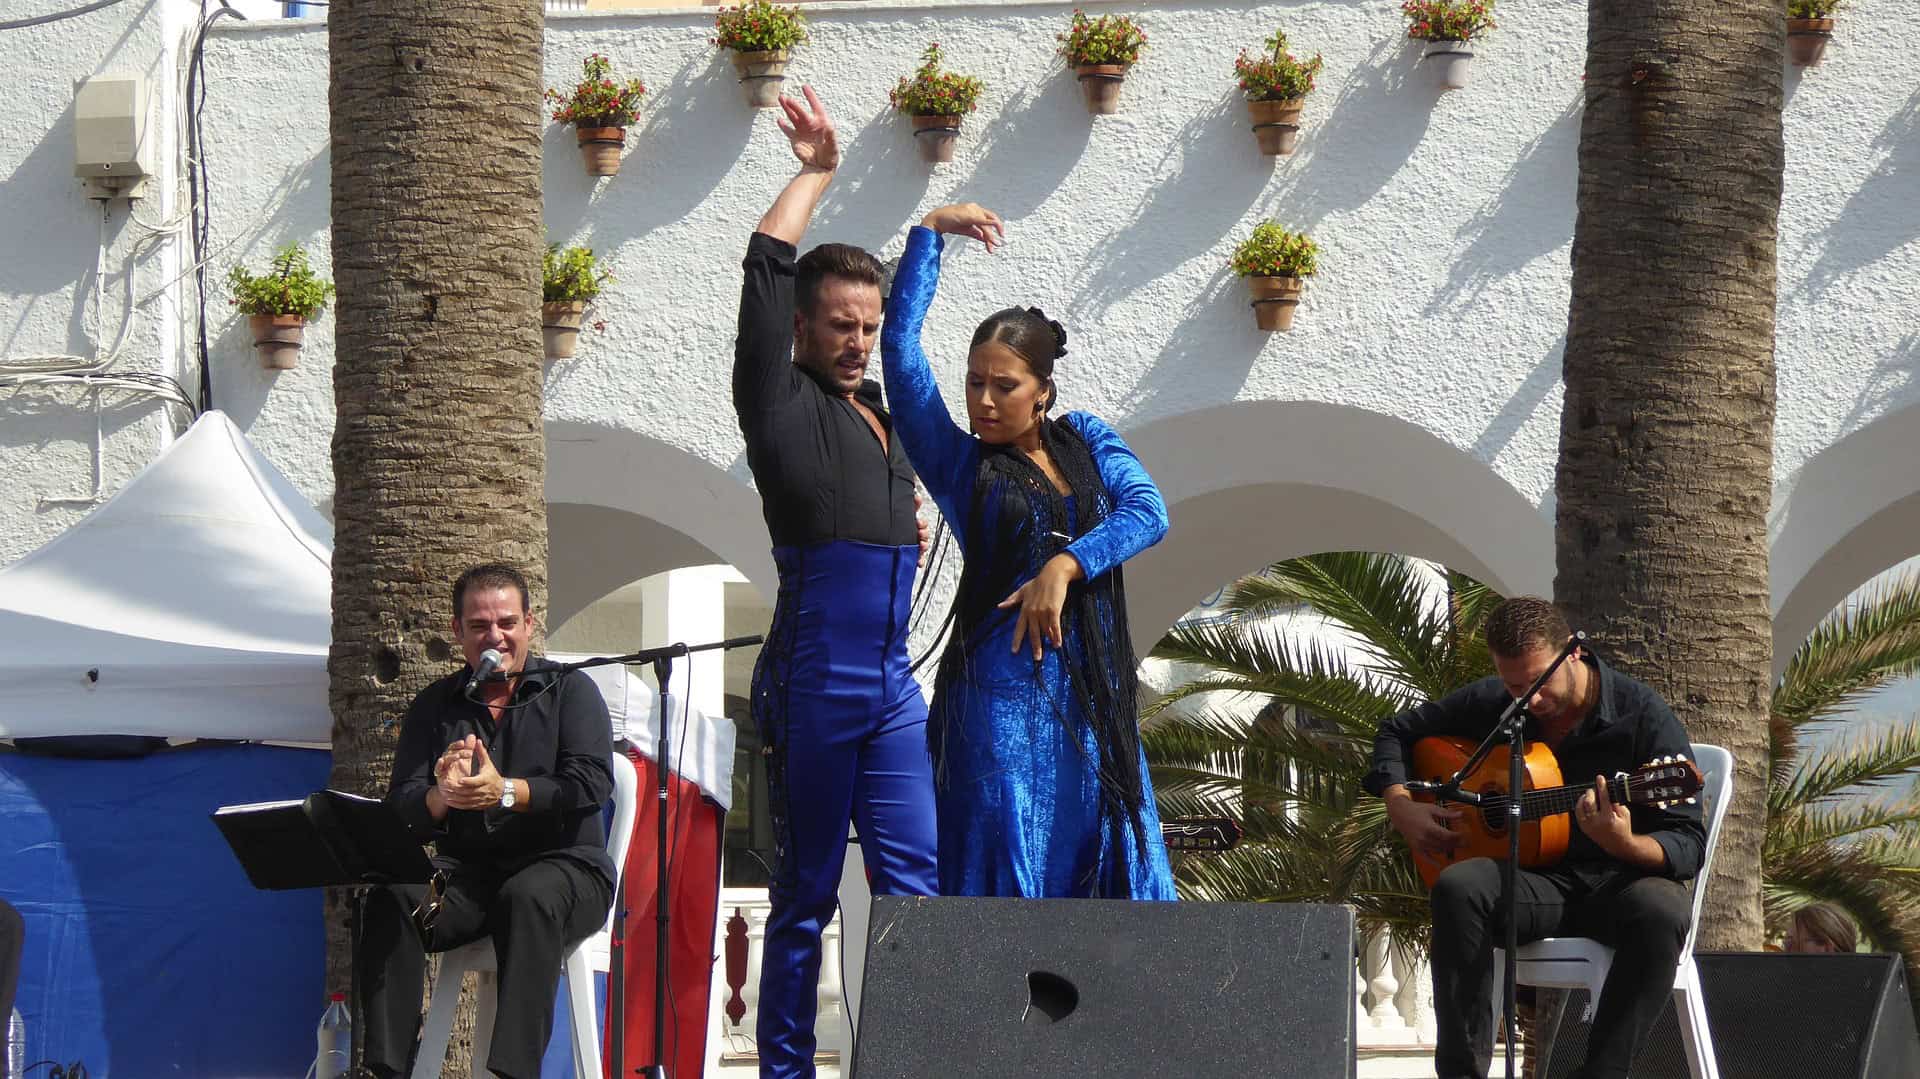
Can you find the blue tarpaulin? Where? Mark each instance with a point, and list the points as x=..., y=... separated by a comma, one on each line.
x=147, y=951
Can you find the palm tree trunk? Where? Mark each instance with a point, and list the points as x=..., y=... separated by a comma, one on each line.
x=1666, y=438
x=438, y=455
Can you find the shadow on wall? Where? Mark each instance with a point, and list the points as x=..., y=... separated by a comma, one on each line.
x=1350, y=151
x=296, y=210
x=879, y=185
x=1526, y=400
x=1531, y=216
x=1033, y=145
x=693, y=134
x=58, y=236
x=1190, y=204
x=1208, y=356
x=1879, y=217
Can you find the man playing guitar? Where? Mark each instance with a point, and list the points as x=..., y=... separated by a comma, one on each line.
x=1620, y=882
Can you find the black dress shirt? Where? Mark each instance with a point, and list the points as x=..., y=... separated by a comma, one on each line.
x=821, y=470
x=1629, y=726
x=554, y=734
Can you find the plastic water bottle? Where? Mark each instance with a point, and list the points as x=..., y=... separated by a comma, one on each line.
x=336, y=1041
x=16, y=1045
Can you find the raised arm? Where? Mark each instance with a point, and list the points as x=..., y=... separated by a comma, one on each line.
x=1139, y=517
x=944, y=455
x=763, y=372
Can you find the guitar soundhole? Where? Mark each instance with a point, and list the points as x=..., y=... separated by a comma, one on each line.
x=1494, y=819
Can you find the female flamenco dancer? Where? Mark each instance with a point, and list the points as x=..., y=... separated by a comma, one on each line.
x=1040, y=784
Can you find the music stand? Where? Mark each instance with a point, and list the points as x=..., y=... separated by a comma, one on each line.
x=329, y=839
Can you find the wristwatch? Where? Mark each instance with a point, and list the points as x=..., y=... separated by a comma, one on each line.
x=506, y=794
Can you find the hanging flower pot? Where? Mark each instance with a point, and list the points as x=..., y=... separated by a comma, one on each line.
x=935, y=136
x=1275, y=263
x=600, y=111
x=1449, y=28
x=1276, y=86
x=1807, y=40
x=569, y=277
x=560, y=325
x=1100, y=51
x=1452, y=62
x=761, y=36
x=1274, y=301
x=761, y=74
x=1100, y=83
x=936, y=100
x=277, y=340
x=278, y=304
x=600, y=149
x=1276, y=124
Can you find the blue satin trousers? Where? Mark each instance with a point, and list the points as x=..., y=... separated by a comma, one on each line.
x=843, y=725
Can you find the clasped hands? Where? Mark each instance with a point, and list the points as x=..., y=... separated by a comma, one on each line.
x=461, y=784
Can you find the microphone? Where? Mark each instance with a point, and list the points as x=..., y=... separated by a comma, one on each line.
x=490, y=661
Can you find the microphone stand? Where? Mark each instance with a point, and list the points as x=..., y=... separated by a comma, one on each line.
x=1511, y=729
x=662, y=660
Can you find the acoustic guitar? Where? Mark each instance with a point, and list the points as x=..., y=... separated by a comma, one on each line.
x=1545, y=804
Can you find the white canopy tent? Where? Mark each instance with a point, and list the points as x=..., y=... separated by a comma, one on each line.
x=196, y=603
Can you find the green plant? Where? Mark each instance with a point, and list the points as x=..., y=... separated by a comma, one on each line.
x=1813, y=9
x=1109, y=39
x=570, y=274
x=289, y=287
x=1275, y=75
x=1274, y=252
x=1275, y=730
x=933, y=92
x=759, y=26
x=598, y=101
x=1447, y=20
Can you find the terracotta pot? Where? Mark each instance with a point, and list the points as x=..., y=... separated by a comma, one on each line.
x=1276, y=124
x=1454, y=59
x=760, y=76
x=935, y=136
x=1101, y=85
x=276, y=339
x=1274, y=299
x=560, y=324
x=1807, y=40
x=600, y=148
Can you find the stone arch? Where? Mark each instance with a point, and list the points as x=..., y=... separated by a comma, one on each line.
x=1252, y=482
x=622, y=506
x=1851, y=511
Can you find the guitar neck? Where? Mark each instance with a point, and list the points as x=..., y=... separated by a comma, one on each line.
x=1536, y=804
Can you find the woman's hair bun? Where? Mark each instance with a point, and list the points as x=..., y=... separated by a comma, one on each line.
x=1059, y=331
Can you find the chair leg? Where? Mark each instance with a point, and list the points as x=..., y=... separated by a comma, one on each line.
x=1695, y=1036
x=486, y=999
x=582, y=1016
x=438, y=1029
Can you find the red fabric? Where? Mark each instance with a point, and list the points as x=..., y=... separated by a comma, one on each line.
x=695, y=826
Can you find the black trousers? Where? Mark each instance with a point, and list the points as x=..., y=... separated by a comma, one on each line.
x=533, y=915
x=1643, y=918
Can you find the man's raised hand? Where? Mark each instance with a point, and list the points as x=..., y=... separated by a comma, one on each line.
x=809, y=130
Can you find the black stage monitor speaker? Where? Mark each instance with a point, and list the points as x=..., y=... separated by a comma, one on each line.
x=958, y=988
x=1777, y=1015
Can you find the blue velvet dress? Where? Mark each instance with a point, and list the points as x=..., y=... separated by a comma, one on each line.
x=1017, y=790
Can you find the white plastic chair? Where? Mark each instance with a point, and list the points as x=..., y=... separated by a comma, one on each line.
x=578, y=967
x=1582, y=963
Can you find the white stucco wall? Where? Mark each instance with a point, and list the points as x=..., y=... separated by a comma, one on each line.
x=49, y=236
x=1435, y=327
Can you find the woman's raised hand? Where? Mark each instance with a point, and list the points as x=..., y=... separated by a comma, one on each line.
x=968, y=219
